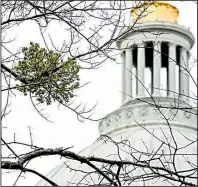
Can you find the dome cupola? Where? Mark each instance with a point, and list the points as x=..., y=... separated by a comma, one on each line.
x=155, y=44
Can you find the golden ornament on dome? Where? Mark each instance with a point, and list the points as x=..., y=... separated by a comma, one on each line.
x=155, y=11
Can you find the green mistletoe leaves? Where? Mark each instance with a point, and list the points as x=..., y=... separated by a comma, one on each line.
x=48, y=78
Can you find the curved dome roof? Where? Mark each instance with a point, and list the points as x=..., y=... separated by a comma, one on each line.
x=155, y=10
x=140, y=141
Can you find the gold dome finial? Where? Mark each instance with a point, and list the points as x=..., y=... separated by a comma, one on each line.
x=155, y=11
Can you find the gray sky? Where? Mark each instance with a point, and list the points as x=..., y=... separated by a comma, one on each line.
x=66, y=130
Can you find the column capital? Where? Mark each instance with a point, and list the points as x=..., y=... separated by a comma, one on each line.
x=128, y=49
x=157, y=46
x=183, y=49
x=170, y=44
x=141, y=45
x=122, y=51
x=156, y=43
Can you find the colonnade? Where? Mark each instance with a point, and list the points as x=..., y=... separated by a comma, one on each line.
x=127, y=64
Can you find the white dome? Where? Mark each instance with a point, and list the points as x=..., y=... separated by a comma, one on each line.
x=146, y=131
x=142, y=139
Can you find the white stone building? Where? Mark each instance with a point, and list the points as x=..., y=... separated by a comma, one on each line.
x=150, y=121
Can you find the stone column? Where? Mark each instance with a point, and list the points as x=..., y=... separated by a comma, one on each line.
x=128, y=74
x=156, y=68
x=123, y=76
x=171, y=82
x=184, y=75
x=140, y=70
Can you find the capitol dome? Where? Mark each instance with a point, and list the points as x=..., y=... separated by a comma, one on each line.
x=63, y=176
x=128, y=141
x=152, y=137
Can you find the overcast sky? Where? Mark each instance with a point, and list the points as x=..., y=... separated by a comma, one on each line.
x=105, y=89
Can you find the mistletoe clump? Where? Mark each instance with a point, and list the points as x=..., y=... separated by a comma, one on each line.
x=45, y=76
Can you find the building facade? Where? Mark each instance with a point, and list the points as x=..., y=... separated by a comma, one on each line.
x=154, y=126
